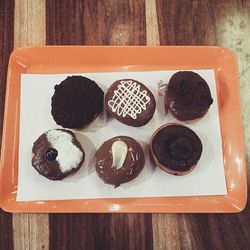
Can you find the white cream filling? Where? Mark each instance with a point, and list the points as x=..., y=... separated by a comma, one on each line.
x=69, y=155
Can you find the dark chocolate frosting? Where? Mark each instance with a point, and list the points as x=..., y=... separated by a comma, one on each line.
x=188, y=96
x=76, y=102
x=44, y=158
x=176, y=147
x=130, y=102
x=132, y=163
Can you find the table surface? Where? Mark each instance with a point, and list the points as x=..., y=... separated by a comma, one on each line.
x=135, y=22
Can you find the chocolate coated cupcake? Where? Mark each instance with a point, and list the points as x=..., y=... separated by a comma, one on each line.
x=119, y=160
x=187, y=96
x=76, y=102
x=176, y=149
x=57, y=154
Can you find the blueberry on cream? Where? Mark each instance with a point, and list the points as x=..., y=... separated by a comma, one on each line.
x=51, y=154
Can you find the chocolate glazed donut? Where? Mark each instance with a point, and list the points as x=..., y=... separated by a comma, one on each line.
x=176, y=149
x=187, y=96
x=130, y=102
x=49, y=151
x=119, y=160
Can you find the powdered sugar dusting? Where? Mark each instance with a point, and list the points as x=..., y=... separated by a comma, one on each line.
x=69, y=155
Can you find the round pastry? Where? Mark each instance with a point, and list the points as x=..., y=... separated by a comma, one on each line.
x=56, y=154
x=130, y=102
x=119, y=160
x=76, y=102
x=187, y=96
x=176, y=149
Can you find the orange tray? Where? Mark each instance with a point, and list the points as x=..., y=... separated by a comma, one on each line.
x=70, y=59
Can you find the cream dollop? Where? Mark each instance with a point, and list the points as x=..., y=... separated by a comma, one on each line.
x=119, y=152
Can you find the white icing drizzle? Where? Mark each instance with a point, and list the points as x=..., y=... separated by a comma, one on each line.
x=136, y=157
x=131, y=153
x=69, y=155
x=128, y=99
x=119, y=153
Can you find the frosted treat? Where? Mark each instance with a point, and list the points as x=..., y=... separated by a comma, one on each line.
x=176, y=149
x=130, y=102
x=76, y=102
x=57, y=154
x=119, y=160
x=187, y=96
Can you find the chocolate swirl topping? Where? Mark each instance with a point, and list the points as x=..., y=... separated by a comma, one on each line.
x=176, y=147
x=188, y=96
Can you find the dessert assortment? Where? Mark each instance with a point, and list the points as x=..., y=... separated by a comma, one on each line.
x=77, y=101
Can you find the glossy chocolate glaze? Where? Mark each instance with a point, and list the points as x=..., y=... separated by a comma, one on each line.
x=176, y=147
x=143, y=117
x=132, y=166
x=188, y=96
x=50, y=168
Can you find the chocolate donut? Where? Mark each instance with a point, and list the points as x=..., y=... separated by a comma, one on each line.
x=76, y=102
x=130, y=102
x=119, y=160
x=187, y=96
x=57, y=154
x=176, y=149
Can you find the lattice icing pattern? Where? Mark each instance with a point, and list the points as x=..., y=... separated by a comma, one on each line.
x=128, y=99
